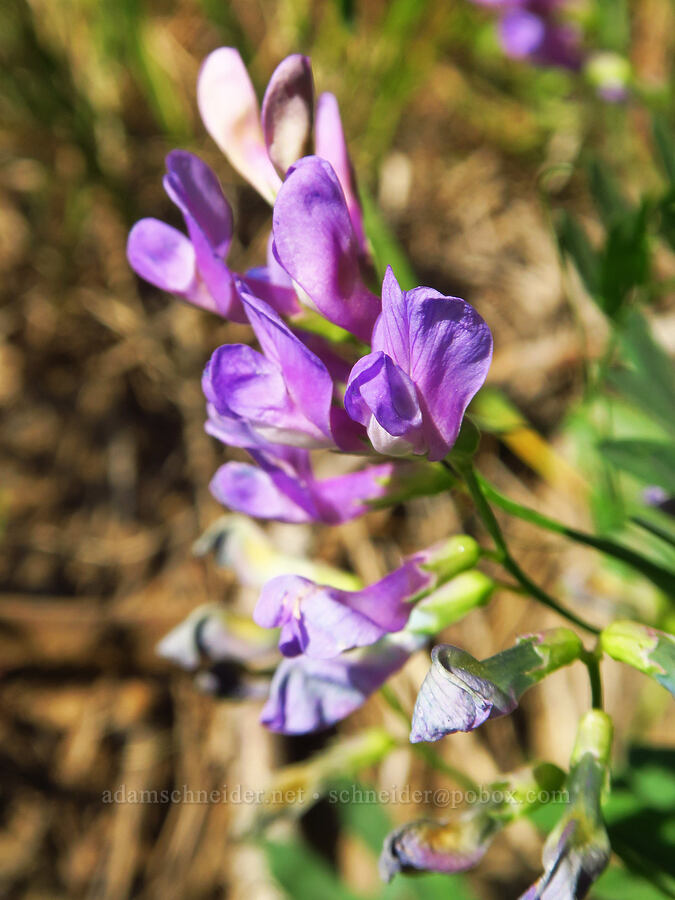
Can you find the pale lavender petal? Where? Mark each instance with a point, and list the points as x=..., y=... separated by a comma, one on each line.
x=312, y=694
x=521, y=33
x=457, y=695
x=330, y=144
x=229, y=110
x=227, y=428
x=288, y=111
x=315, y=243
x=446, y=847
x=163, y=256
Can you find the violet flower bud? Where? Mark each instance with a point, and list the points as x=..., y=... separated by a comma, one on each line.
x=460, y=693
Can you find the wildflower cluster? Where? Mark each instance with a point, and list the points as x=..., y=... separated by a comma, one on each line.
x=394, y=390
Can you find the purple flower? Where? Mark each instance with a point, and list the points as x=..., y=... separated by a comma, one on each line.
x=526, y=34
x=193, y=268
x=460, y=693
x=446, y=847
x=283, y=486
x=322, y=622
x=577, y=851
x=315, y=242
x=255, y=143
x=430, y=355
x=282, y=395
x=312, y=694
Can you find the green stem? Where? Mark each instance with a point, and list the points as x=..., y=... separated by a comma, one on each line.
x=658, y=575
x=505, y=558
x=427, y=753
x=591, y=662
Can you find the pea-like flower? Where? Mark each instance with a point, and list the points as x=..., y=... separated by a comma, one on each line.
x=430, y=355
x=460, y=693
x=282, y=395
x=194, y=267
x=283, y=486
x=191, y=267
x=309, y=695
x=461, y=842
x=577, y=851
x=260, y=145
x=322, y=622
x=446, y=847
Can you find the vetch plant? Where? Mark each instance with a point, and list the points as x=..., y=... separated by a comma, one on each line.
x=392, y=383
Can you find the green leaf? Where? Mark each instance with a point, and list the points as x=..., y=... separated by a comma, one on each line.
x=303, y=875
x=665, y=146
x=574, y=243
x=609, y=201
x=625, y=260
x=652, y=462
x=649, y=382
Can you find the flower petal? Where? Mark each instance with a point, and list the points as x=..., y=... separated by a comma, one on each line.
x=309, y=695
x=456, y=696
x=305, y=376
x=380, y=389
x=249, y=489
x=288, y=111
x=314, y=241
x=229, y=110
x=195, y=190
x=163, y=256
x=330, y=144
x=446, y=847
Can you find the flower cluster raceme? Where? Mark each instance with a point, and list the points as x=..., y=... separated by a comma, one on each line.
x=429, y=353
x=396, y=383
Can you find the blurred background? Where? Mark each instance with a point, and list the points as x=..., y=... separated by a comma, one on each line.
x=498, y=182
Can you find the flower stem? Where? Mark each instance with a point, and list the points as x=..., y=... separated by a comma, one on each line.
x=590, y=660
x=503, y=553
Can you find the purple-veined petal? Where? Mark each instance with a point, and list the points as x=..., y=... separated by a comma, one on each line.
x=315, y=242
x=246, y=385
x=229, y=110
x=313, y=694
x=288, y=111
x=445, y=348
x=445, y=847
x=457, y=695
x=330, y=144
